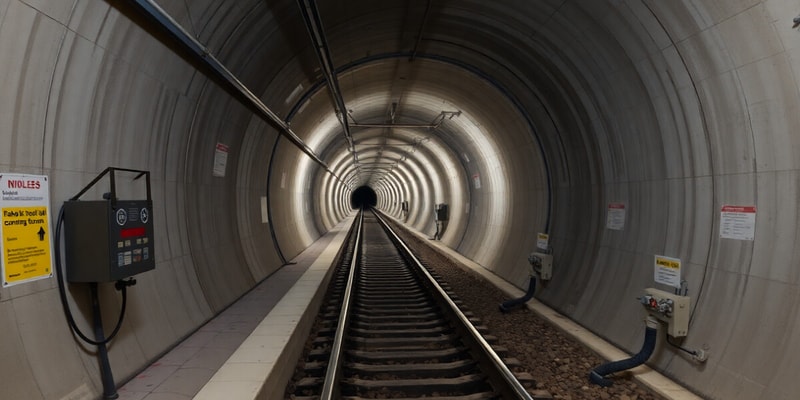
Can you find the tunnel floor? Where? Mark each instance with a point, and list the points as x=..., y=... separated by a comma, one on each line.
x=175, y=375
x=559, y=363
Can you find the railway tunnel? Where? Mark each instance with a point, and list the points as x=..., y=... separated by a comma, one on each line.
x=624, y=130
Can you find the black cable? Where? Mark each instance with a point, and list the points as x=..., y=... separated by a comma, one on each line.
x=599, y=373
x=63, y=291
x=691, y=352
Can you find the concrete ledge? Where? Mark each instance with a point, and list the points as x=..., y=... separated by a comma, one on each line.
x=648, y=377
x=263, y=364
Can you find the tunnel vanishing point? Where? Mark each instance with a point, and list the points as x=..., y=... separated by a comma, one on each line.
x=259, y=119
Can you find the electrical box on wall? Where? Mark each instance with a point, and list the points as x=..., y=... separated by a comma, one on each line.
x=668, y=307
x=442, y=213
x=106, y=243
x=111, y=239
x=543, y=264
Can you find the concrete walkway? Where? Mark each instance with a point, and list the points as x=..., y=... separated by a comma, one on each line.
x=182, y=372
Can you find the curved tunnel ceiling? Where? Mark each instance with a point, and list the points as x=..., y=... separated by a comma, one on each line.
x=400, y=112
x=405, y=86
x=563, y=107
x=552, y=111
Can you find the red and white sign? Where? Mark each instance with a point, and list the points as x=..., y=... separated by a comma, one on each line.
x=737, y=222
x=220, y=160
x=615, y=217
x=476, y=181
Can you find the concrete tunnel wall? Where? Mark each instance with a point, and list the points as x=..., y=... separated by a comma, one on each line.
x=673, y=108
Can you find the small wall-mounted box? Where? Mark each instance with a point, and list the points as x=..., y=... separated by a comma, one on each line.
x=668, y=307
x=543, y=264
x=105, y=242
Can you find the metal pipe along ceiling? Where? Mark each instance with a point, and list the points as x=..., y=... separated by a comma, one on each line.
x=199, y=54
x=315, y=29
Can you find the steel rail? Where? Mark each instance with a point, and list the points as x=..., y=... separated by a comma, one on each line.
x=329, y=388
x=508, y=377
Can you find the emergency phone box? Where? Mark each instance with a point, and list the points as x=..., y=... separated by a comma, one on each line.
x=107, y=241
x=442, y=213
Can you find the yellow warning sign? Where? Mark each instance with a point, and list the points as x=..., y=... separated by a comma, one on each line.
x=667, y=262
x=542, y=241
x=26, y=241
x=668, y=271
x=25, y=228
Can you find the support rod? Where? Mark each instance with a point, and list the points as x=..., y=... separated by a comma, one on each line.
x=406, y=126
x=109, y=388
x=421, y=29
x=186, y=46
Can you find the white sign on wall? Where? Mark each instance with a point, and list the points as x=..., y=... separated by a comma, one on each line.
x=476, y=181
x=542, y=240
x=220, y=160
x=264, y=210
x=25, y=242
x=615, y=216
x=737, y=222
x=668, y=271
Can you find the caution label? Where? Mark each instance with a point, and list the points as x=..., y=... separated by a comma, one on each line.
x=542, y=241
x=25, y=229
x=220, y=160
x=476, y=181
x=668, y=271
x=615, y=217
x=737, y=222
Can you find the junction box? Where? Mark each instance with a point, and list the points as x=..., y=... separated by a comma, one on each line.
x=668, y=307
x=543, y=264
x=442, y=213
x=108, y=240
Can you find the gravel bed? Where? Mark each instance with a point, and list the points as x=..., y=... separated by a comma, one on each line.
x=559, y=363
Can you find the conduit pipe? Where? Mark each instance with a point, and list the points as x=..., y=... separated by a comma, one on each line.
x=598, y=375
x=506, y=306
x=536, y=268
x=185, y=45
x=315, y=29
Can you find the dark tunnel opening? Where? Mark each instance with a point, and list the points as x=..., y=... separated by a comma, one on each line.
x=362, y=197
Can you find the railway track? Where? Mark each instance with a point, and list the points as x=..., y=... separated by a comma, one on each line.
x=389, y=330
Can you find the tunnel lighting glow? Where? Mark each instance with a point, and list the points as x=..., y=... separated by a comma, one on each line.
x=328, y=128
x=329, y=212
x=427, y=166
x=296, y=92
x=493, y=182
x=300, y=196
